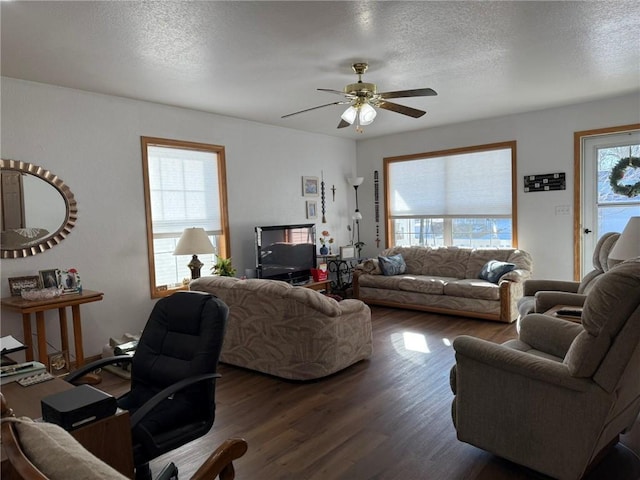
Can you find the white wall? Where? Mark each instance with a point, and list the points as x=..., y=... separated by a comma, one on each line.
x=544, y=145
x=92, y=142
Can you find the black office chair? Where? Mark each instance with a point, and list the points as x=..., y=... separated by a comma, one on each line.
x=173, y=373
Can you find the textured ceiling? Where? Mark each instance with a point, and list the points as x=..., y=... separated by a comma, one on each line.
x=262, y=60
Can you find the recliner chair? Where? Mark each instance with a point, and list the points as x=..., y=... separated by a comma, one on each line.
x=172, y=396
x=541, y=295
x=555, y=398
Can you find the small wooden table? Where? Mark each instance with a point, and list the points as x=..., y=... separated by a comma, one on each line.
x=557, y=312
x=108, y=439
x=322, y=285
x=27, y=307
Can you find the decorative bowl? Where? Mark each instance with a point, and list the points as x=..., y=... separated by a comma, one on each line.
x=41, y=294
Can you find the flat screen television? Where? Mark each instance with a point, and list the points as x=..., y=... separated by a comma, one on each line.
x=286, y=252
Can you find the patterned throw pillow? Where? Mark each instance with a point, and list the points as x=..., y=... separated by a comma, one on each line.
x=393, y=265
x=494, y=269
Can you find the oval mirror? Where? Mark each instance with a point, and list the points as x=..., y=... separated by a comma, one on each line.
x=38, y=209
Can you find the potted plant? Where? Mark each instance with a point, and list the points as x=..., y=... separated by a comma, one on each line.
x=223, y=267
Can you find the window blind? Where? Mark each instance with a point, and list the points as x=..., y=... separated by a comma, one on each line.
x=184, y=191
x=464, y=185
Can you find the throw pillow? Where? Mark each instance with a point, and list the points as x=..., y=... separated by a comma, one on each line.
x=393, y=265
x=58, y=455
x=494, y=269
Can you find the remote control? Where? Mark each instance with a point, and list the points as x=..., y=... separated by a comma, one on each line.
x=569, y=313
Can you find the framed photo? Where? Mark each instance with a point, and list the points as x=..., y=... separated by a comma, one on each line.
x=17, y=284
x=49, y=278
x=347, y=252
x=312, y=209
x=69, y=281
x=310, y=186
x=59, y=363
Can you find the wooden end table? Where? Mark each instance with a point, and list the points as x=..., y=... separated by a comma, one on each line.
x=322, y=285
x=109, y=439
x=558, y=312
x=27, y=307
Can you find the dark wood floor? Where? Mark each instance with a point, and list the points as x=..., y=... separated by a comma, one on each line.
x=385, y=418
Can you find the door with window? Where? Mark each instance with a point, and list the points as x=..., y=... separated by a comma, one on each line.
x=610, y=187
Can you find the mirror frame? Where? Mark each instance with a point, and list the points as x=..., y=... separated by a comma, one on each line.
x=71, y=214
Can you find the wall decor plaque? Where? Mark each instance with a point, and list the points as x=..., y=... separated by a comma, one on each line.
x=545, y=182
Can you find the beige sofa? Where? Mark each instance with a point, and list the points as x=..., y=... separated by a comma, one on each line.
x=290, y=332
x=445, y=280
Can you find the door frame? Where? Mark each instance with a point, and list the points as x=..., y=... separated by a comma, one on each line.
x=577, y=187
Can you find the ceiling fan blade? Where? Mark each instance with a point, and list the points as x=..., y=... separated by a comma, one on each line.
x=403, y=109
x=314, y=108
x=418, y=92
x=343, y=124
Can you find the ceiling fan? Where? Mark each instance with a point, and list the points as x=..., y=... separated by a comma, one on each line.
x=363, y=99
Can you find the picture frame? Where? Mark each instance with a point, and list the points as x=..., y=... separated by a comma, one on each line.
x=347, y=252
x=312, y=209
x=17, y=284
x=58, y=363
x=310, y=186
x=49, y=278
x=69, y=281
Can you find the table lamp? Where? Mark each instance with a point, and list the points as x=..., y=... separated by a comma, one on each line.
x=192, y=242
x=628, y=244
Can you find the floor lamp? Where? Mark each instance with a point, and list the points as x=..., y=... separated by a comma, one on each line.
x=355, y=182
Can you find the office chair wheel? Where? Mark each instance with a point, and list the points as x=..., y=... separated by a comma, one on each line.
x=143, y=472
x=169, y=472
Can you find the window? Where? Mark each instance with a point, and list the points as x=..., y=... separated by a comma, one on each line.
x=184, y=186
x=463, y=197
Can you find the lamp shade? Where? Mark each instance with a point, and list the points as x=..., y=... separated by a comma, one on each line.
x=367, y=114
x=349, y=115
x=355, y=181
x=193, y=241
x=628, y=244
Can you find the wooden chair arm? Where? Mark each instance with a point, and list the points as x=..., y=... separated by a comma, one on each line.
x=220, y=462
x=20, y=464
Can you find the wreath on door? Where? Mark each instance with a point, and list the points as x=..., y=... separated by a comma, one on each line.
x=617, y=173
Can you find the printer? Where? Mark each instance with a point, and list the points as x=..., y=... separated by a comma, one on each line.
x=77, y=407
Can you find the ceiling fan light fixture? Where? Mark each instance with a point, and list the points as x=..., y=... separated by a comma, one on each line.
x=364, y=99
x=367, y=114
x=349, y=115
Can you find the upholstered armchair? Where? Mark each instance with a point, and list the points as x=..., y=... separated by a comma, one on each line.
x=561, y=393
x=541, y=295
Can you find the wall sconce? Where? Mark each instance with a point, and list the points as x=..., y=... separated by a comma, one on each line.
x=192, y=242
